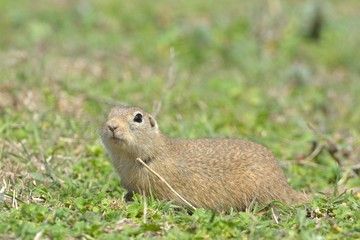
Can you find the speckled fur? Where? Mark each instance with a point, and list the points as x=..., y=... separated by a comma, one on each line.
x=209, y=173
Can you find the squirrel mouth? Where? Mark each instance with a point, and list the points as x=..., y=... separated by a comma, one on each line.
x=116, y=138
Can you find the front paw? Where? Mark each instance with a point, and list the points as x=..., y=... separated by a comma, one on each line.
x=129, y=197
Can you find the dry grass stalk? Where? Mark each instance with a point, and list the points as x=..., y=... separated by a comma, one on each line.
x=318, y=149
x=14, y=201
x=166, y=183
x=38, y=235
x=274, y=216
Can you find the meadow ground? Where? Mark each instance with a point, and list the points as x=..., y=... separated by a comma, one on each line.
x=282, y=74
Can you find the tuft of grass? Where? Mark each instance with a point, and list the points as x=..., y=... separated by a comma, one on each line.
x=237, y=69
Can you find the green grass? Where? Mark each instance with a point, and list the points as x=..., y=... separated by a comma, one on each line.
x=242, y=70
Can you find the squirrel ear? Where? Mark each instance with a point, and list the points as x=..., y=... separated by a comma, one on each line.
x=152, y=121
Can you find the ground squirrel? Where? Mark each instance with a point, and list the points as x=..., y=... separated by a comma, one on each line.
x=208, y=173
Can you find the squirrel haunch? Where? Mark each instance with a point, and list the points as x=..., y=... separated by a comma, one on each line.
x=209, y=173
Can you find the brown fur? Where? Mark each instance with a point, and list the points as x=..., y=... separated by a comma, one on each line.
x=209, y=173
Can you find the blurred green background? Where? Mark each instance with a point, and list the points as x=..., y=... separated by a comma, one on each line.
x=259, y=70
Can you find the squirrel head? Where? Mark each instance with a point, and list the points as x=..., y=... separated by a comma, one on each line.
x=131, y=130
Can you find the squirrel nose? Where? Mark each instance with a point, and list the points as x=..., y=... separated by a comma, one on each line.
x=112, y=126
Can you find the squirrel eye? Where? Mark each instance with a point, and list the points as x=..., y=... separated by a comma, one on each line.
x=138, y=118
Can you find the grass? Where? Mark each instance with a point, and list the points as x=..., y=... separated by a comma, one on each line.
x=247, y=70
